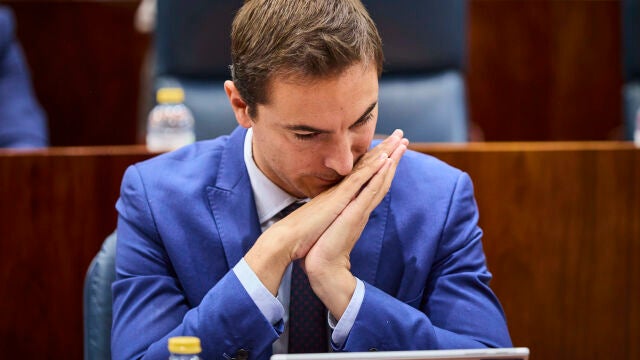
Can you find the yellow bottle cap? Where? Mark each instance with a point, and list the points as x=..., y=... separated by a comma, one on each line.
x=186, y=345
x=170, y=95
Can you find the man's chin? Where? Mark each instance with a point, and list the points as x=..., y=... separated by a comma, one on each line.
x=320, y=188
x=317, y=191
x=314, y=186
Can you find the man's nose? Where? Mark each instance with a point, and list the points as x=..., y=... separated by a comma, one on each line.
x=340, y=156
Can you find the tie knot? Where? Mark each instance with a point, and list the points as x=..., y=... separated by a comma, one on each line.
x=289, y=209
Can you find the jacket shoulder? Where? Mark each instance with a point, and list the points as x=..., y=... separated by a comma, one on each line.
x=194, y=164
x=423, y=168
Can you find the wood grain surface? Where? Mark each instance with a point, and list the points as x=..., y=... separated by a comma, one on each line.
x=545, y=70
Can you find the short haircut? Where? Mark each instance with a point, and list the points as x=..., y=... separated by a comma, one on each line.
x=299, y=40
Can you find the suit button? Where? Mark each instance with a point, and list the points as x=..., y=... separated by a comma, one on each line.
x=242, y=354
x=373, y=349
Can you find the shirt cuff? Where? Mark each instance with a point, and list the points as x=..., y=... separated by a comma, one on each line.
x=342, y=328
x=269, y=306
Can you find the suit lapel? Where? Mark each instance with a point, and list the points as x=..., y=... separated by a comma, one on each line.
x=365, y=255
x=231, y=201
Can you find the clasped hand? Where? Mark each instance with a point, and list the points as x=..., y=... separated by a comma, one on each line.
x=323, y=232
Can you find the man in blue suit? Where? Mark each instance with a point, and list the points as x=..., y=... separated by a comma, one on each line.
x=388, y=238
x=22, y=122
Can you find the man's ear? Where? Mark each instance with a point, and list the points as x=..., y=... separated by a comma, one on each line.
x=238, y=105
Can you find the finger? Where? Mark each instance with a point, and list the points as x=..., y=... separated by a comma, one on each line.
x=320, y=212
x=331, y=203
x=353, y=183
x=387, y=146
x=379, y=187
x=391, y=142
x=391, y=173
x=399, y=151
x=371, y=162
x=371, y=194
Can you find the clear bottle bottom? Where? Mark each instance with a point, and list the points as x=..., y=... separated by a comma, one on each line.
x=168, y=141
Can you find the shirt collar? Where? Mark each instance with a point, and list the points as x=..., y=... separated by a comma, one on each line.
x=270, y=198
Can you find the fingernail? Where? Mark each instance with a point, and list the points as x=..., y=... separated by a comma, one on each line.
x=397, y=132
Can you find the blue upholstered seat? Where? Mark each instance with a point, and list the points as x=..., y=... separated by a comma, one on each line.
x=193, y=51
x=430, y=108
x=97, y=302
x=422, y=89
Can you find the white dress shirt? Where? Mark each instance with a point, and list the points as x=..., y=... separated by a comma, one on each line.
x=270, y=200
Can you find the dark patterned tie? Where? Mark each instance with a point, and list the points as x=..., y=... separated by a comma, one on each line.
x=307, y=314
x=289, y=209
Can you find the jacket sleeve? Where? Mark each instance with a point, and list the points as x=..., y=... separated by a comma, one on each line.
x=457, y=308
x=149, y=305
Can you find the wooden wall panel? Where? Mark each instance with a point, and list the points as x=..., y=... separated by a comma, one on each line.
x=85, y=59
x=506, y=59
x=561, y=223
x=545, y=70
x=586, y=58
x=56, y=208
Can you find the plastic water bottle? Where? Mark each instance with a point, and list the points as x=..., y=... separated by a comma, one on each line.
x=170, y=123
x=184, y=348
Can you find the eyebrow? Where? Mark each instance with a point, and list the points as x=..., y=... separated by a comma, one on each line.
x=321, y=131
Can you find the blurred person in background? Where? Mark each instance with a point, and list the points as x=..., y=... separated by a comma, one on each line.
x=22, y=121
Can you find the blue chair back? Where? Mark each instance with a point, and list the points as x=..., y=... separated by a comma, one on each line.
x=422, y=89
x=193, y=52
x=97, y=302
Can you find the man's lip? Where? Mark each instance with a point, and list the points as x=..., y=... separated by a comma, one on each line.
x=329, y=181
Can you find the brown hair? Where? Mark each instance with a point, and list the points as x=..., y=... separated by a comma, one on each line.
x=298, y=39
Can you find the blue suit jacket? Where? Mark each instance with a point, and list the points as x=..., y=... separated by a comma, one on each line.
x=187, y=217
x=22, y=122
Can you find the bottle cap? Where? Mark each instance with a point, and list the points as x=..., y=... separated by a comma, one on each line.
x=170, y=95
x=186, y=345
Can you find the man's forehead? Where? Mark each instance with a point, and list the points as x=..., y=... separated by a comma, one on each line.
x=300, y=78
x=349, y=95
